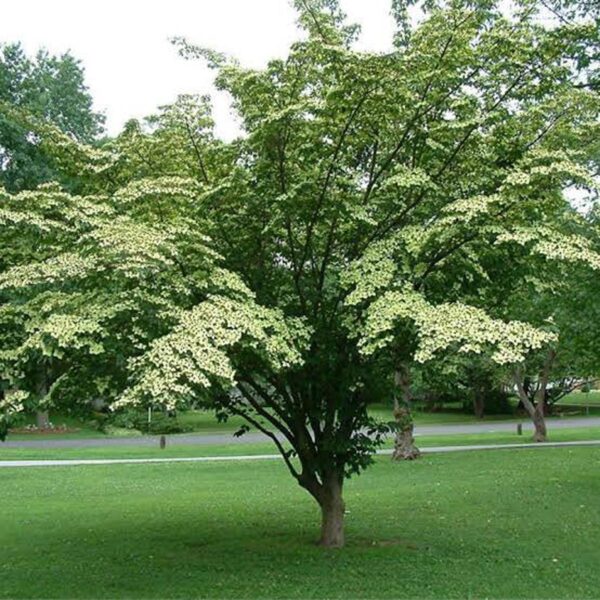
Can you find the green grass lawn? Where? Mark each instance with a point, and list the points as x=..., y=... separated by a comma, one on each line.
x=499, y=524
x=205, y=422
x=591, y=399
x=450, y=415
x=558, y=435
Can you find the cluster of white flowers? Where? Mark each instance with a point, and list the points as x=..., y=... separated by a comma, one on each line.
x=84, y=157
x=163, y=187
x=58, y=332
x=72, y=155
x=464, y=210
x=229, y=282
x=540, y=164
x=553, y=245
x=58, y=268
x=406, y=178
x=49, y=210
x=131, y=247
x=13, y=401
x=15, y=218
x=448, y=326
x=195, y=354
x=375, y=271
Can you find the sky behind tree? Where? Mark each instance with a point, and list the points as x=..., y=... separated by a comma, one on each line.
x=132, y=68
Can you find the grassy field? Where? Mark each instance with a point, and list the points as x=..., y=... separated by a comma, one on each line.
x=591, y=399
x=499, y=524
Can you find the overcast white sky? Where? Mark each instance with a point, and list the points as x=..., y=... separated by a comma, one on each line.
x=131, y=68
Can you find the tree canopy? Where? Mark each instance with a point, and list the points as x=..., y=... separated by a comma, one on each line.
x=51, y=88
x=355, y=226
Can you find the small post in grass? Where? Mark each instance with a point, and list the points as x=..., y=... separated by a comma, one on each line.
x=519, y=429
x=163, y=442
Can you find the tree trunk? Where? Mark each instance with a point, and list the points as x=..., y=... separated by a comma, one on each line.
x=404, y=444
x=478, y=404
x=536, y=411
x=42, y=419
x=539, y=416
x=539, y=423
x=332, y=513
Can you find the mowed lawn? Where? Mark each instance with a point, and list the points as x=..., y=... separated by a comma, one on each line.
x=512, y=523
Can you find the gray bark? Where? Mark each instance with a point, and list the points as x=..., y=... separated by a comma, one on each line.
x=42, y=419
x=536, y=411
x=404, y=444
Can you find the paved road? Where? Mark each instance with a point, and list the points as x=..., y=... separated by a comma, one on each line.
x=119, y=461
x=228, y=439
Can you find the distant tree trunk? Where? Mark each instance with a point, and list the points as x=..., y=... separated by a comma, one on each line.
x=539, y=422
x=98, y=404
x=42, y=419
x=404, y=444
x=478, y=403
x=332, y=512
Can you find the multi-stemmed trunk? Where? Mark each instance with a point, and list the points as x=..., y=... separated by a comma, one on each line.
x=320, y=467
x=537, y=409
x=404, y=443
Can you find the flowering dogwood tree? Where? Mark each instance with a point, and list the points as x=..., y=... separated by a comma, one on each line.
x=367, y=192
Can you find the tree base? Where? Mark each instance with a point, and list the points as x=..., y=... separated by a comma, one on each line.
x=404, y=447
x=332, y=514
x=331, y=543
x=540, y=433
x=42, y=419
x=411, y=453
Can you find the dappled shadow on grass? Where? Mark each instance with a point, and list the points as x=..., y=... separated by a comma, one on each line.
x=445, y=526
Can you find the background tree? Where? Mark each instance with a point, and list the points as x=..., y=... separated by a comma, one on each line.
x=52, y=89
x=570, y=305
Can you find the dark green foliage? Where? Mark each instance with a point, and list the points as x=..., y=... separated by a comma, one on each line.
x=495, y=402
x=159, y=423
x=47, y=87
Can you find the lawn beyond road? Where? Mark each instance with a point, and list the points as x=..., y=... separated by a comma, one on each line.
x=497, y=524
x=204, y=422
